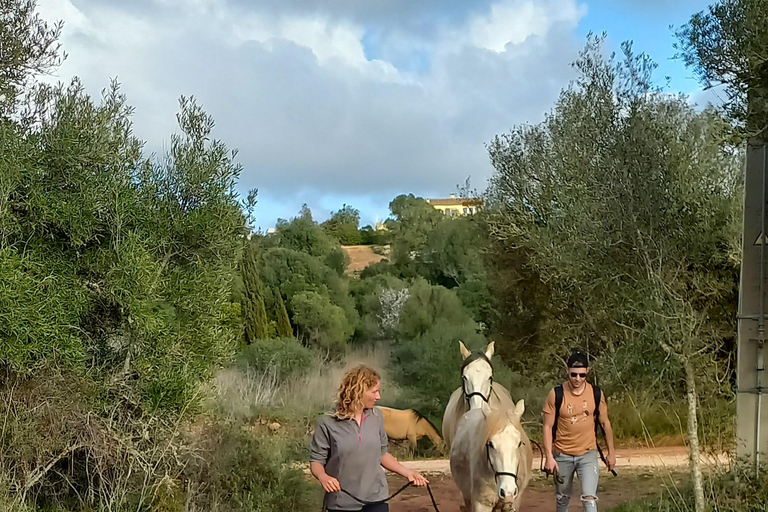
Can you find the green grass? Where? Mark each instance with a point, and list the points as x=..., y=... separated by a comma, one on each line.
x=736, y=490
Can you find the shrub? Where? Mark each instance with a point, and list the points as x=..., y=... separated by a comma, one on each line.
x=242, y=469
x=430, y=363
x=426, y=306
x=285, y=356
x=322, y=324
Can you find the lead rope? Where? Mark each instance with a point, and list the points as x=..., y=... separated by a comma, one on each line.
x=556, y=476
x=363, y=502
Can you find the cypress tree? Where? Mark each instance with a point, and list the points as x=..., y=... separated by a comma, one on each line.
x=284, y=329
x=252, y=302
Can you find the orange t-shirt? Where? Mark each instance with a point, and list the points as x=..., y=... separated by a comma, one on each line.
x=576, y=424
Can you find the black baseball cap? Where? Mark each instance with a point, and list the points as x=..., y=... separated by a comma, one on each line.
x=578, y=360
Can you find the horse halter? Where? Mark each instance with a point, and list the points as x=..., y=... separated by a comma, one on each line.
x=472, y=358
x=497, y=474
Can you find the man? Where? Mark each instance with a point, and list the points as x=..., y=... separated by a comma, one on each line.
x=574, y=447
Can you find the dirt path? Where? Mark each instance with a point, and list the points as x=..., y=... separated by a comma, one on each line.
x=670, y=456
x=642, y=472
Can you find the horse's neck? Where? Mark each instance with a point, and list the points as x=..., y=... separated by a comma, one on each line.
x=425, y=428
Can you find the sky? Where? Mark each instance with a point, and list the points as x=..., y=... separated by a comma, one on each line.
x=333, y=102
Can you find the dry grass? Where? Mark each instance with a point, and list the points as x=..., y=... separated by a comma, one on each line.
x=237, y=393
x=360, y=257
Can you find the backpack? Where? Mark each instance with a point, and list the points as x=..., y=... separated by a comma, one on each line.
x=559, y=402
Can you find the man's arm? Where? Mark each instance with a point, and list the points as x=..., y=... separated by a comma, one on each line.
x=550, y=465
x=610, y=459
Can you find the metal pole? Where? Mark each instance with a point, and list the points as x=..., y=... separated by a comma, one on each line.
x=761, y=324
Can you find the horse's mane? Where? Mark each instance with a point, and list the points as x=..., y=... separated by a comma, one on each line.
x=420, y=416
x=496, y=421
x=474, y=356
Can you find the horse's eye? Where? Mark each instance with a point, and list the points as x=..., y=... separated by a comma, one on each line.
x=521, y=444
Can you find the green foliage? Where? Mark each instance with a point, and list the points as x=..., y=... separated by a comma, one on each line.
x=303, y=234
x=429, y=363
x=244, y=471
x=283, y=323
x=738, y=490
x=321, y=323
x=30, y=47
x=414, y=220
x=132, y=258
x=252, y=300
x=452, y=252
x=294, y=272
x=633, y=225
x=40, y=305
x=427, y=305
x=343, y=226
x=370, y=236
x=366, y=293
x=336, y=260
x=284, y=356
x=725, y=45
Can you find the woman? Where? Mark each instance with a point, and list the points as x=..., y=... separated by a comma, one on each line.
x=349, y=447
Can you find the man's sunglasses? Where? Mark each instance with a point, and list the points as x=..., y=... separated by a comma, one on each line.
x=575, y=375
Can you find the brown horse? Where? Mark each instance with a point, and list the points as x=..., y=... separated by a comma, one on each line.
x=409, y=425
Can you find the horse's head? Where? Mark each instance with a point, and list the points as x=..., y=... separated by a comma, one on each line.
x=503, y=442
x=477, y=375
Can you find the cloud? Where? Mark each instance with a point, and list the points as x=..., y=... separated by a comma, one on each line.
x=332, y=99
x=514, y=22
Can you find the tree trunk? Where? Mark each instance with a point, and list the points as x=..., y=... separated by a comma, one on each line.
x=693, y=434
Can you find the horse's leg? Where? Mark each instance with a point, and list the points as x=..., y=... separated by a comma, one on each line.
x=412, y=441
x=479, y=507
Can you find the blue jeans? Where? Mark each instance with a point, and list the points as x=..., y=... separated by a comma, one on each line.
x=586, y=466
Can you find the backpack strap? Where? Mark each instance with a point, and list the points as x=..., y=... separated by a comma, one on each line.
x=598, y=396
x=598, y=426
x=558, y=404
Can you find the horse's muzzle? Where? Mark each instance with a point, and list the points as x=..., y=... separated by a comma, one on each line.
x=508, y=493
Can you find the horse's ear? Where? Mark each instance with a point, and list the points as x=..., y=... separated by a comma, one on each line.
x=464, y=352
x=520, y=408
x=489, y=350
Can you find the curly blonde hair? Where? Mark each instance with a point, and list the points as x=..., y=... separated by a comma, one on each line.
x=353, y=386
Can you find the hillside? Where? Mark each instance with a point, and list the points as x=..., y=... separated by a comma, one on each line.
x=360, y=256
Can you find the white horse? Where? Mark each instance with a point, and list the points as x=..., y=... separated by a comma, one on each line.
x=476, y=390
x=491, y=459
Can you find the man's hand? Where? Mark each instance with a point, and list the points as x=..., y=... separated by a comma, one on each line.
x=330, y=484
x=417, y=480
x=550, y=466
x=610, y=461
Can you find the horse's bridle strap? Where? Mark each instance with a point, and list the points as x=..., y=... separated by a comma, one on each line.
x=467, y=396
x=497, y=474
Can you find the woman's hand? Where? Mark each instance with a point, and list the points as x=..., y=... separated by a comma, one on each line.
x=417, y=480
x=330, y=484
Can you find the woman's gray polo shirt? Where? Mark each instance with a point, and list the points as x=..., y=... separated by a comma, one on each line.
x=352, y=454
